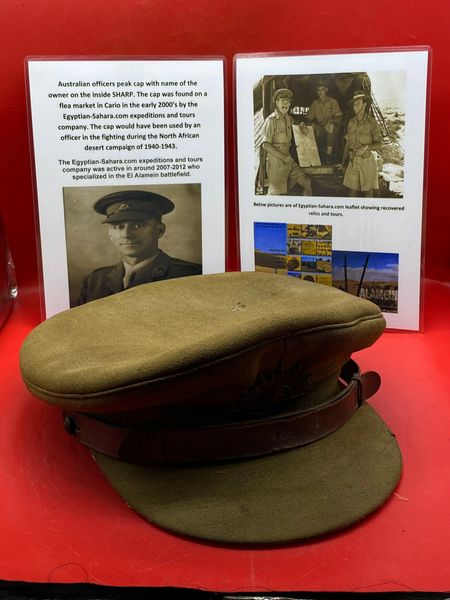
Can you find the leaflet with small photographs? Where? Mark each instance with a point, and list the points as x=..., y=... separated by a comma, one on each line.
x=129, y=168
x=331, y=175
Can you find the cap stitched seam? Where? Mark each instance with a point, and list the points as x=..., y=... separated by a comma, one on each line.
x=218, y=361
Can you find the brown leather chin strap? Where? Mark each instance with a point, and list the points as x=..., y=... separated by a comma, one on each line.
x=231, y=441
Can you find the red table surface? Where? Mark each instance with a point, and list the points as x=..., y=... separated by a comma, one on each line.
x=62, y=522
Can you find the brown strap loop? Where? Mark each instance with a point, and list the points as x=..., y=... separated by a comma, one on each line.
x=230, y=441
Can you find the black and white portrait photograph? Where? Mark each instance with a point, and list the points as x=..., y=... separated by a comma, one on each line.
x=332, y=134
x=118, y=237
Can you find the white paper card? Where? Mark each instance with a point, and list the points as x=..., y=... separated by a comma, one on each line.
x=360, y=228
x=105, y=126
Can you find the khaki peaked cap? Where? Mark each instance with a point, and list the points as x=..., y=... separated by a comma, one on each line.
x=133, y=205
x=162, y=343
x=212, y=351
x=283, y=93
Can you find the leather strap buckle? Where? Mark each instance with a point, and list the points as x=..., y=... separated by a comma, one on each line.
x=359, y=388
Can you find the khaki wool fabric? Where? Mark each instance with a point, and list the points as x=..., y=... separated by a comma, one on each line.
x=164, y=338
x=298, y=494
x=182, y=352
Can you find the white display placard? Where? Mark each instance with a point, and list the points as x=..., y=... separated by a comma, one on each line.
x=351, y=216
x=102, y=127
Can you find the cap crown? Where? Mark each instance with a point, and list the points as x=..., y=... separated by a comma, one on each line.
x=216, y=343
x=133, y=205
x=283, y=93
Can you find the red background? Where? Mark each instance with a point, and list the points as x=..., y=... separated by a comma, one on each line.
x=60, y=521
x=213, y=27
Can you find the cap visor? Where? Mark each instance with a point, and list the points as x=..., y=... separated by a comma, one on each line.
x=294, y=495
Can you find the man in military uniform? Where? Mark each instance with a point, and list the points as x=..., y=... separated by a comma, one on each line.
x=325, y=116
x=282, y=172
x=134, y=221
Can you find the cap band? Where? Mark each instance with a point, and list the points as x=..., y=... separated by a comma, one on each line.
x=232, y=441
